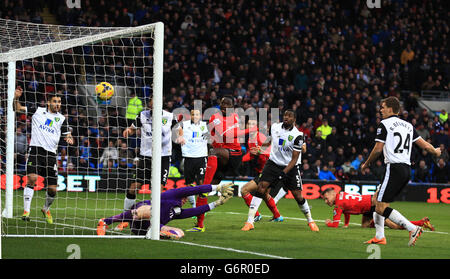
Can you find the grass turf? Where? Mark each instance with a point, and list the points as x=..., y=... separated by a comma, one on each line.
x=78, y=213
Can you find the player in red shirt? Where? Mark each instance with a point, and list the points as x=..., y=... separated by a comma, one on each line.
x=226, y=154
x=356, y=204
x=259, y=156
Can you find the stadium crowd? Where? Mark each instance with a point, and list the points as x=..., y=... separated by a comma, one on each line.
x=330, y=61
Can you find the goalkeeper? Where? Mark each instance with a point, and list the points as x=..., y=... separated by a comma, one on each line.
x=172, y=202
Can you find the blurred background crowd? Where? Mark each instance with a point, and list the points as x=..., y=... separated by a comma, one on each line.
x=330, y=61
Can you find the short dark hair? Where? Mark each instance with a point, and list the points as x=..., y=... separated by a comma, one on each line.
x=50, y=95
x=230, y=98
x=392, y=102
x=327, y=190
x=289, y=110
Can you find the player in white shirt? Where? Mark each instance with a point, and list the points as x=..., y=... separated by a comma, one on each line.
x=193, y=137
x=47, y=125
x=287, y=143
x=144, y=168
x=394, y=138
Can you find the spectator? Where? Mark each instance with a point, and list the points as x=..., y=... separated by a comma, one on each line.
x=357, y=161
x=333, y=74
x=341, y=176
x=134, y=108
x=307, y=172
x=125, y=156
x=421, y=172
x=326, y=174
x=366, y=175
x=110, y=156
x=443, y=116
x=441, y=173
x=378, y=170
x=347, y=166
x=407, y=55
x=444, y=153
x=325, y=129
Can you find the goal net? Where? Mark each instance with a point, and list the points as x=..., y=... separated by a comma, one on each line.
x=92, y=173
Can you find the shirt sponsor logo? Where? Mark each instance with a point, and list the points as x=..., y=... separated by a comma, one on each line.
x=47, y=126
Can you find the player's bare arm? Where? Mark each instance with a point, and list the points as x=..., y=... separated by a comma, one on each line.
x=374, y=154
x=17, y=106
x=293, y=162
x=129, y=131
x=428, y=147
x=180, y=139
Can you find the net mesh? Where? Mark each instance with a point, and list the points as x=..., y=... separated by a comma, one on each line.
x=93, y=172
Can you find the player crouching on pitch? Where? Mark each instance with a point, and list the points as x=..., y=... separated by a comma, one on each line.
x=172, y=202
x=356, y=204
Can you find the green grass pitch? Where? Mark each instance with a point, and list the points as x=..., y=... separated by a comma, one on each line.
x=78, y=213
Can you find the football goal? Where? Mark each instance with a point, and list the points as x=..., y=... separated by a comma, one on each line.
x=92, y=173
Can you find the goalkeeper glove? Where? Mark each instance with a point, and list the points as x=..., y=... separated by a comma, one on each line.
x=222, y=200
x=226, y=189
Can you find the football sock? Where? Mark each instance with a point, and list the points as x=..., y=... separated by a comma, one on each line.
x=273, y=207
x=200, y=218
x=191, y=200
x=280, y=195
x=129, y=201
x=417, y=223
x=211, y=167
x=399, y=219
x=304, y=207
x=254, y=205
x=248, y=199
x=378, y=220
x=28, y=193
x=50, y=197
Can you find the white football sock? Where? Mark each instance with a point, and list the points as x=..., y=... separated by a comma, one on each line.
x=48, y=202
x=128, y=203
x=280, y=195
x=378, y=220
x=253, y=208
x=400, y=220
x=27, y=198
x=191, y=200
x=305, y=209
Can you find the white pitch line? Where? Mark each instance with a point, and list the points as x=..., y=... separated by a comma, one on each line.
x=230, y=249
x=121, y=235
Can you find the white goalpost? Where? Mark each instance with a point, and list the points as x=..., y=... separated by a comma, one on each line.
x=71, y=60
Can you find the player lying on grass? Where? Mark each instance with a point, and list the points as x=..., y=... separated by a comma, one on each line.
x=172, y=202
x=356, y=204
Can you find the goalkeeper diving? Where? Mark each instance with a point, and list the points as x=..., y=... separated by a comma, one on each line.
x=172, y=202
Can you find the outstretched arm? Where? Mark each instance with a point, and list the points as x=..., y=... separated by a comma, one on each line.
x=179, y=193
x=17, y=106
x=337, y=212
x=428, y=147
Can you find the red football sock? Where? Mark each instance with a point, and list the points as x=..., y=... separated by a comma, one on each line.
x=211, y=167
x=273, y=207
x=200, y=218
x=248, y=199
x=417, y=223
